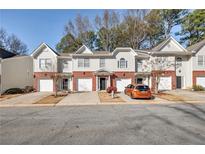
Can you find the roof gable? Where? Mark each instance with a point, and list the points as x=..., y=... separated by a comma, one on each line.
x=124, y=49
x=170, y=44
x=42, y=46
x=83, y=50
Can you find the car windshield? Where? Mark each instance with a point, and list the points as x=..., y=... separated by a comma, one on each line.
x=142, y=88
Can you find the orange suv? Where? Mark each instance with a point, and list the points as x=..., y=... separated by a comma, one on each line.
x=138, y=91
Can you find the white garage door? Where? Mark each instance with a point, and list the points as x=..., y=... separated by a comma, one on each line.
x=46, y=85
x=122, y=83
x=200, y=81
x=84, y=84
x=165, y=83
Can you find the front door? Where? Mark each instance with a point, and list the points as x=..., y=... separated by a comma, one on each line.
x=179, y=82
x=102, y=83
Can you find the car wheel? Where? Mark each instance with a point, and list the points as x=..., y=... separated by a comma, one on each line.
x=131, y=95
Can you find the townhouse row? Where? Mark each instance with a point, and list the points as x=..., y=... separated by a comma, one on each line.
x=86, y=70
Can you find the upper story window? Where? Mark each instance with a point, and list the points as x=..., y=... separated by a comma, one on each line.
x=65, y=64
x=84, y=62
x=201, y=60
x=102, y=62
x=179, y=61
x=122, y=63
x=139, y=66
x=45, y=64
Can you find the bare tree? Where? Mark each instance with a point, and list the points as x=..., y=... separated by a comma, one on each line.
x=158, y=66
x=135, y=27
x=3, y=38
x=15, y=45
x=12, y=43
x=105, y=26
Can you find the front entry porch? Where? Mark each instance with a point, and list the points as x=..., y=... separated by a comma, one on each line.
x=102, y=79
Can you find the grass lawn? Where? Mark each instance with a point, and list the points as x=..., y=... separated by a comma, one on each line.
x=50, y=99
x=106, y=97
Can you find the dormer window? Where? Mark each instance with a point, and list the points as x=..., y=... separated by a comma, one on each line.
x=122, y=63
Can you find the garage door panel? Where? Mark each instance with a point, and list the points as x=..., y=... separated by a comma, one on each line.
x=46, y=85
x=85, y=84
x=165, y=83
x=122, y=83
x=200, y=81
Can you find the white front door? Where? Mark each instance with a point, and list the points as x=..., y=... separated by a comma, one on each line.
x=85, y=84
x=122, y=83
x=200, y=81
x=45, y=85
x=165, y=83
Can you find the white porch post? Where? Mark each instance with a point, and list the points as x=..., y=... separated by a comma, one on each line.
x=108, y=85
x=97, y=82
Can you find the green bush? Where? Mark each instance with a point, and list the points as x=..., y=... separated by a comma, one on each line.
x=14, y=91
x=198, y=88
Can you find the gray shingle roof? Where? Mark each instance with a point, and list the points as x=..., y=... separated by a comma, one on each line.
x=197, y=46
x=6, y=54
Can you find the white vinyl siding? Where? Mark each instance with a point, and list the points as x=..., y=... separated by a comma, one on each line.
x=102, y=62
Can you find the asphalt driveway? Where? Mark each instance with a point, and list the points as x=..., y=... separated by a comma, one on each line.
x=80, y=98
x=104, y=124
x=25, y=99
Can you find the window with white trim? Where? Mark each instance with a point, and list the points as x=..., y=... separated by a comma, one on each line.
x=45, y=64
x=201, y=60
x=80, y=62
x=84, y=62
x=122, y=63
x=102, y=62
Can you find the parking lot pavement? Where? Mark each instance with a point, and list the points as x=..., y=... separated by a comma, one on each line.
x=80, y=98
x=25, y=99
x=104, y=124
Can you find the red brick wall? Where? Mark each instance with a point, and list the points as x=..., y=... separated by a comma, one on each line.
x=86, y=74
x=166, y=74
x=197, y=74
x=42, y=75
x=122, y=75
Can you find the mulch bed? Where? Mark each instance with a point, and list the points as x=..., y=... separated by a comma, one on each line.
x=5, y=97
x=50, y=99
x=106, y=97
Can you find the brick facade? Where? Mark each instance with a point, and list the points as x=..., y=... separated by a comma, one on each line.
x=86, y=74
x=42, y=75
x=165, y=74
x=125, y=75
x=196, y=74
